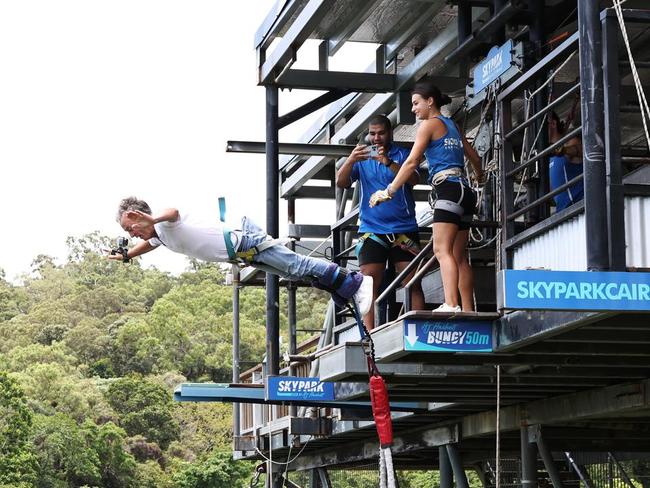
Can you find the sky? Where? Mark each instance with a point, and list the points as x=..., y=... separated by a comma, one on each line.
x=102, y=100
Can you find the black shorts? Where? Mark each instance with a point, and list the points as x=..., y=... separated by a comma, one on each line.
x=372, y=252
x=455, y=196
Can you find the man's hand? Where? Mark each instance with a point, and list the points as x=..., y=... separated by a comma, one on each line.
x=137, y=214
x=382, y=157
x=114, y=257
x=378, y=197
x=359, y=153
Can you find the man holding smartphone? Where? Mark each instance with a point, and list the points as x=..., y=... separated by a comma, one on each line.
x=387, y=235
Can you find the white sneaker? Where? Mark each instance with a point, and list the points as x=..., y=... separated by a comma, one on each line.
x=363, y=296
x=448, y=308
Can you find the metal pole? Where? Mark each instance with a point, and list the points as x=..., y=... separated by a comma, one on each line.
x=615, y=195
x=593, y=137
x=457, y=467
x=528, y=460
x=549, y=463
x=273, y=229
x=446, y=474
x=236, y=419
x=291, y=304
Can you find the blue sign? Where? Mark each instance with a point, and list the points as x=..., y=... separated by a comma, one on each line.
x=286, y=388
x=497, y=62
x=574, y=290
x=448, y=336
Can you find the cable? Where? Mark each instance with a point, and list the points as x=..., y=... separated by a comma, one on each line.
x=278, y=463
x=643, y=102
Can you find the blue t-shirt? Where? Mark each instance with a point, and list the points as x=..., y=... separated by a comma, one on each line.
x=561, y=171
x=446, y=152
x=396, y=215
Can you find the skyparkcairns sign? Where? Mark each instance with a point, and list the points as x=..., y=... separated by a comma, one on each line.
x=573, y=290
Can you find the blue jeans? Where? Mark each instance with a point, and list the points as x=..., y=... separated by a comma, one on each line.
x=279, y=260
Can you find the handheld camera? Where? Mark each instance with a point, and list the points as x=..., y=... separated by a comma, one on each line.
x=122, y=248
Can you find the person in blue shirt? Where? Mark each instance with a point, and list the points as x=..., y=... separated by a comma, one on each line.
x=453, y=200
x=388, y=234
x=564, y=165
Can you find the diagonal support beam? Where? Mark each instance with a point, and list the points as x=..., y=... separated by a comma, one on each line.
x=298, y=33
x=311, y=106
x=305, y=149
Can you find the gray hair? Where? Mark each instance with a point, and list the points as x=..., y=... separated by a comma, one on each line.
x=132, y=203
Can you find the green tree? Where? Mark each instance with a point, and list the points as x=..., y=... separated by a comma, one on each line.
x=216, y=471
x=144, y=408
x=65, y=456
x=17, y=461
x=117, y=466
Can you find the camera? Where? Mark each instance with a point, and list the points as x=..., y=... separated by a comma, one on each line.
x=122, y=244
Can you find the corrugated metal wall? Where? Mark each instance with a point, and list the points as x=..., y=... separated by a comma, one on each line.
x=563, y=248
x=637, y=232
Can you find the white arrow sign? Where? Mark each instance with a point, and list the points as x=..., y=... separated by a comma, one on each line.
x=412, y=336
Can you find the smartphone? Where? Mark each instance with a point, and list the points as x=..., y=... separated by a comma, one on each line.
x=374, y=151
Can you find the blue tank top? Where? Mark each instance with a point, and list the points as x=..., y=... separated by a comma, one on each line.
x=446, y=152
x=561, y=171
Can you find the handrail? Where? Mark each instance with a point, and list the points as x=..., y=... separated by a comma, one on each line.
x=416, y=277
x=400, y=277
x=546, y=197
x=545, y=152
x=543, y=111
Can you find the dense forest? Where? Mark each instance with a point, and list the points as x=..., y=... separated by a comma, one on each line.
x=90, y=353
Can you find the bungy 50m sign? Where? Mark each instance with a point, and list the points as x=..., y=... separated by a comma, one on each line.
x=456, y=336
x=574, y=290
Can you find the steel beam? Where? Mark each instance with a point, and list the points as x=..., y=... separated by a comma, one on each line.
x=394, y=46
x=528, y=460
x=615, y=197
x=457, y=466
x=612, y=400
x=593, y=135
x=272, y=229
x=236, y=425
x=364, y=9
x=362, y=450
x=304, y=149
x=275, y=21
x=535, y=432
x=444, y=466
x=307, y=79
x=301, y=28
x=311, y=106
x=521, y=328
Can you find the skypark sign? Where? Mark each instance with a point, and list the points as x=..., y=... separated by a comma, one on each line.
x=574, y=290
x=287, y=388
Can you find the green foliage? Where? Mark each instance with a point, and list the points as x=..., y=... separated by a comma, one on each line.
x=65, y=455
x=17, y=462
x=216, y=471
x=94, y=348
x=144, y=408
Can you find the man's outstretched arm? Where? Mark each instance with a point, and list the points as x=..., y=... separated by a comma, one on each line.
x=140, y=248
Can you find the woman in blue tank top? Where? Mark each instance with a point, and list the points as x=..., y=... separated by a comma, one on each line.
x=453, y=201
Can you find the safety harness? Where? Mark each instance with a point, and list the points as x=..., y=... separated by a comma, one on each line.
x=450, y=205
x=400, y=240
x=244, y=257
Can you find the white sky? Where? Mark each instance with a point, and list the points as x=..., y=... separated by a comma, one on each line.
x=101, y=100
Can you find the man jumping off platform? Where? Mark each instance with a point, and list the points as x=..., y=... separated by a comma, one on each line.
x=214, y=242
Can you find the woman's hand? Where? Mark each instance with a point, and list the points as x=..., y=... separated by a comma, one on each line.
x=379, y=196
